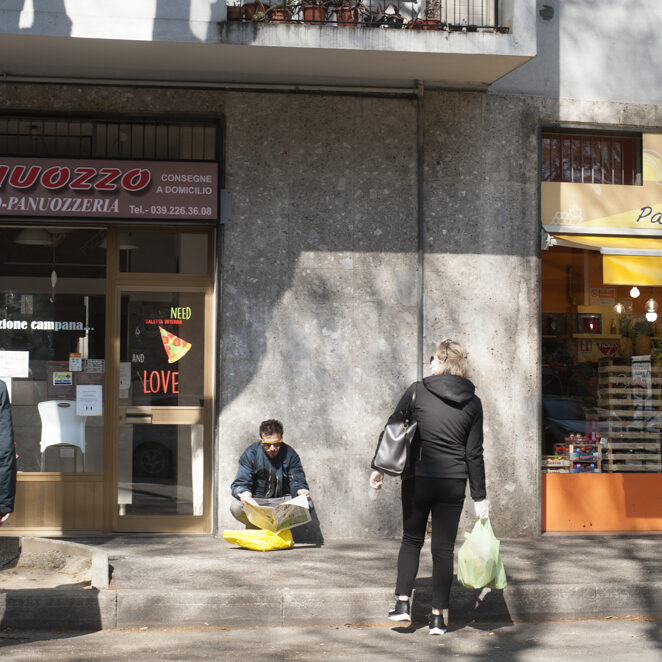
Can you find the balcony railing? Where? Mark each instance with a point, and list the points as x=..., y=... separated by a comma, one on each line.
x=448, y=15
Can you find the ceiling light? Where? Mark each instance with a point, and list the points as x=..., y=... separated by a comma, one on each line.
x=34, y=237
x=634, y=292
x=651, y=316
x=619, y=308
x=651, y=306
x=126, y=243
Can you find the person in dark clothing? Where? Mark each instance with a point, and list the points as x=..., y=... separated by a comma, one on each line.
x=447, y=449
x=269, y=471
x=7, y=457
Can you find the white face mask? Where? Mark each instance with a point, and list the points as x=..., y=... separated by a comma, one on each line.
x=435, y=366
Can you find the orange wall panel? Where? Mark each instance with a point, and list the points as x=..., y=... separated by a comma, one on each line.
x=601, y=502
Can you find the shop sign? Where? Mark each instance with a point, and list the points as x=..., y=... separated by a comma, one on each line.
x=602, y=296
x=43, y=325
x=86, y=188
x=605, y=208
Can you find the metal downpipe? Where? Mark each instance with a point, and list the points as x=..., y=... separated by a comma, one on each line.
x=421, y=229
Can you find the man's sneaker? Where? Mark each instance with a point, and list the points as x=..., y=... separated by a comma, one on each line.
x=400, y=612
x=437, y=625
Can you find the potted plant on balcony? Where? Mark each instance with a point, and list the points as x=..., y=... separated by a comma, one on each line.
x=314, y=11
x=347, y=12
x=235, y=10
x=431, y=16
x=255, y=11
x=282, y=11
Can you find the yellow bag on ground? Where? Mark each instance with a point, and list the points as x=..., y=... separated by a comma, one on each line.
x=259, y=539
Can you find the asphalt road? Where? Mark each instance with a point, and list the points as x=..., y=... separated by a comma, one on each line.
x=568, y=641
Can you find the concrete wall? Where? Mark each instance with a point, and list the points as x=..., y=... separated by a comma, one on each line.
x=598, y=50
x=319, y=323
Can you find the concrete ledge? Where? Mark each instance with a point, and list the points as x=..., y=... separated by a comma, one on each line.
x=62, y=608
x=94, y=609
x=312, y=606
x=77, y=559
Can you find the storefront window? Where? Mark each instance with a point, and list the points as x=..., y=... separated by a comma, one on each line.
x=164, y=252
x=52, y=338
x=601, y=365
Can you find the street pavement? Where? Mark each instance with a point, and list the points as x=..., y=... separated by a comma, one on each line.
x=616, y=640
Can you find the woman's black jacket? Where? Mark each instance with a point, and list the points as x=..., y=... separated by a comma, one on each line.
x=449, y=440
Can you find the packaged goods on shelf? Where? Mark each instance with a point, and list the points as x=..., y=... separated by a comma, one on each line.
x=555, y=464
x=630, y=396
x=584, y=468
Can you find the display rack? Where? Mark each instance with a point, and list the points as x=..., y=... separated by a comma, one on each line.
x=630, y=409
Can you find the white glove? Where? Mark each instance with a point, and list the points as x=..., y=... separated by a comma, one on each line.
x=244, y=495
x=376, y=480
x=482, y=509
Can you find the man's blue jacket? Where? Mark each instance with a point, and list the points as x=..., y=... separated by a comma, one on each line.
x=7, y=454
x=264, y=477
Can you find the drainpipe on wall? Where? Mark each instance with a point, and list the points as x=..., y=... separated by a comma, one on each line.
x=421, y=229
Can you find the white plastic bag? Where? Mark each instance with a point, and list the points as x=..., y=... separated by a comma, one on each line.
x=479, y=562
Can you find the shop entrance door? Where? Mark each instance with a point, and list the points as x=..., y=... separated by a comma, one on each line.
x=162, y=451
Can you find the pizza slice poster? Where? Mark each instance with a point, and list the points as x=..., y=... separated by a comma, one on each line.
x=174, y=346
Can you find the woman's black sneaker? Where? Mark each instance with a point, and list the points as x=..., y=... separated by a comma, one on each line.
x=400, y=612
x=437, y=625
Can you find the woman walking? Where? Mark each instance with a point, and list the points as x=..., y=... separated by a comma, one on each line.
x=447, y=450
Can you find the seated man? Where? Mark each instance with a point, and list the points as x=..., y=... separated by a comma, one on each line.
x=268, y=470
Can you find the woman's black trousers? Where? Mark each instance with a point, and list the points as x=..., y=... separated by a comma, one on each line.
x=444, y=498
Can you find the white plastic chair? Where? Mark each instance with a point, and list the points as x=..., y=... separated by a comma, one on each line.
x=60, y=426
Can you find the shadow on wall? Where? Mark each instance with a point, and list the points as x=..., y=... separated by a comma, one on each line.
x=50, y=17
x=165, y=14
x=37, y=16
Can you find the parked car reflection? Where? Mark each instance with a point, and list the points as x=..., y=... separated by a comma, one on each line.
x=561, y=417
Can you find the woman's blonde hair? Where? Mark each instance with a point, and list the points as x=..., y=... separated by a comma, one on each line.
x=450, y=358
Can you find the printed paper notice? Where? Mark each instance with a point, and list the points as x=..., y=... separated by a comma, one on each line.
x=95, y=366
x=75, y=362
x=63, y=378
x=89, y=400
x=14, y=364
x=125, y=375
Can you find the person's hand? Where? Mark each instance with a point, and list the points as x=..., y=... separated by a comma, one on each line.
x=376, y=480
x=244, y=495
x=303, y=491
x=4, y=517
x=482, y=509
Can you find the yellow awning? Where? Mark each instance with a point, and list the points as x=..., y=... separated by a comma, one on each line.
x=625, y=260
x=596, y=243
x=632, y=270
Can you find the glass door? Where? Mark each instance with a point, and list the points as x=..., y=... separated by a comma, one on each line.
x=161, y=371
x=162, y=431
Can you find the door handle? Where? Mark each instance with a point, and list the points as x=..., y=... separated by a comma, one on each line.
x=138, y=418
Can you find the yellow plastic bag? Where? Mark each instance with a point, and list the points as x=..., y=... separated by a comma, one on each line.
x=259, y=539
x=479, y=560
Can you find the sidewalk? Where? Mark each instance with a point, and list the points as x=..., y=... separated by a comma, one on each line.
x=190, y=581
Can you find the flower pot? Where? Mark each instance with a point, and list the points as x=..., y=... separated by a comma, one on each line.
x=279, y=15
x=235, y=13
x=347, y=17
x=251, y=8
x=314, y=14
x=426, y=24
